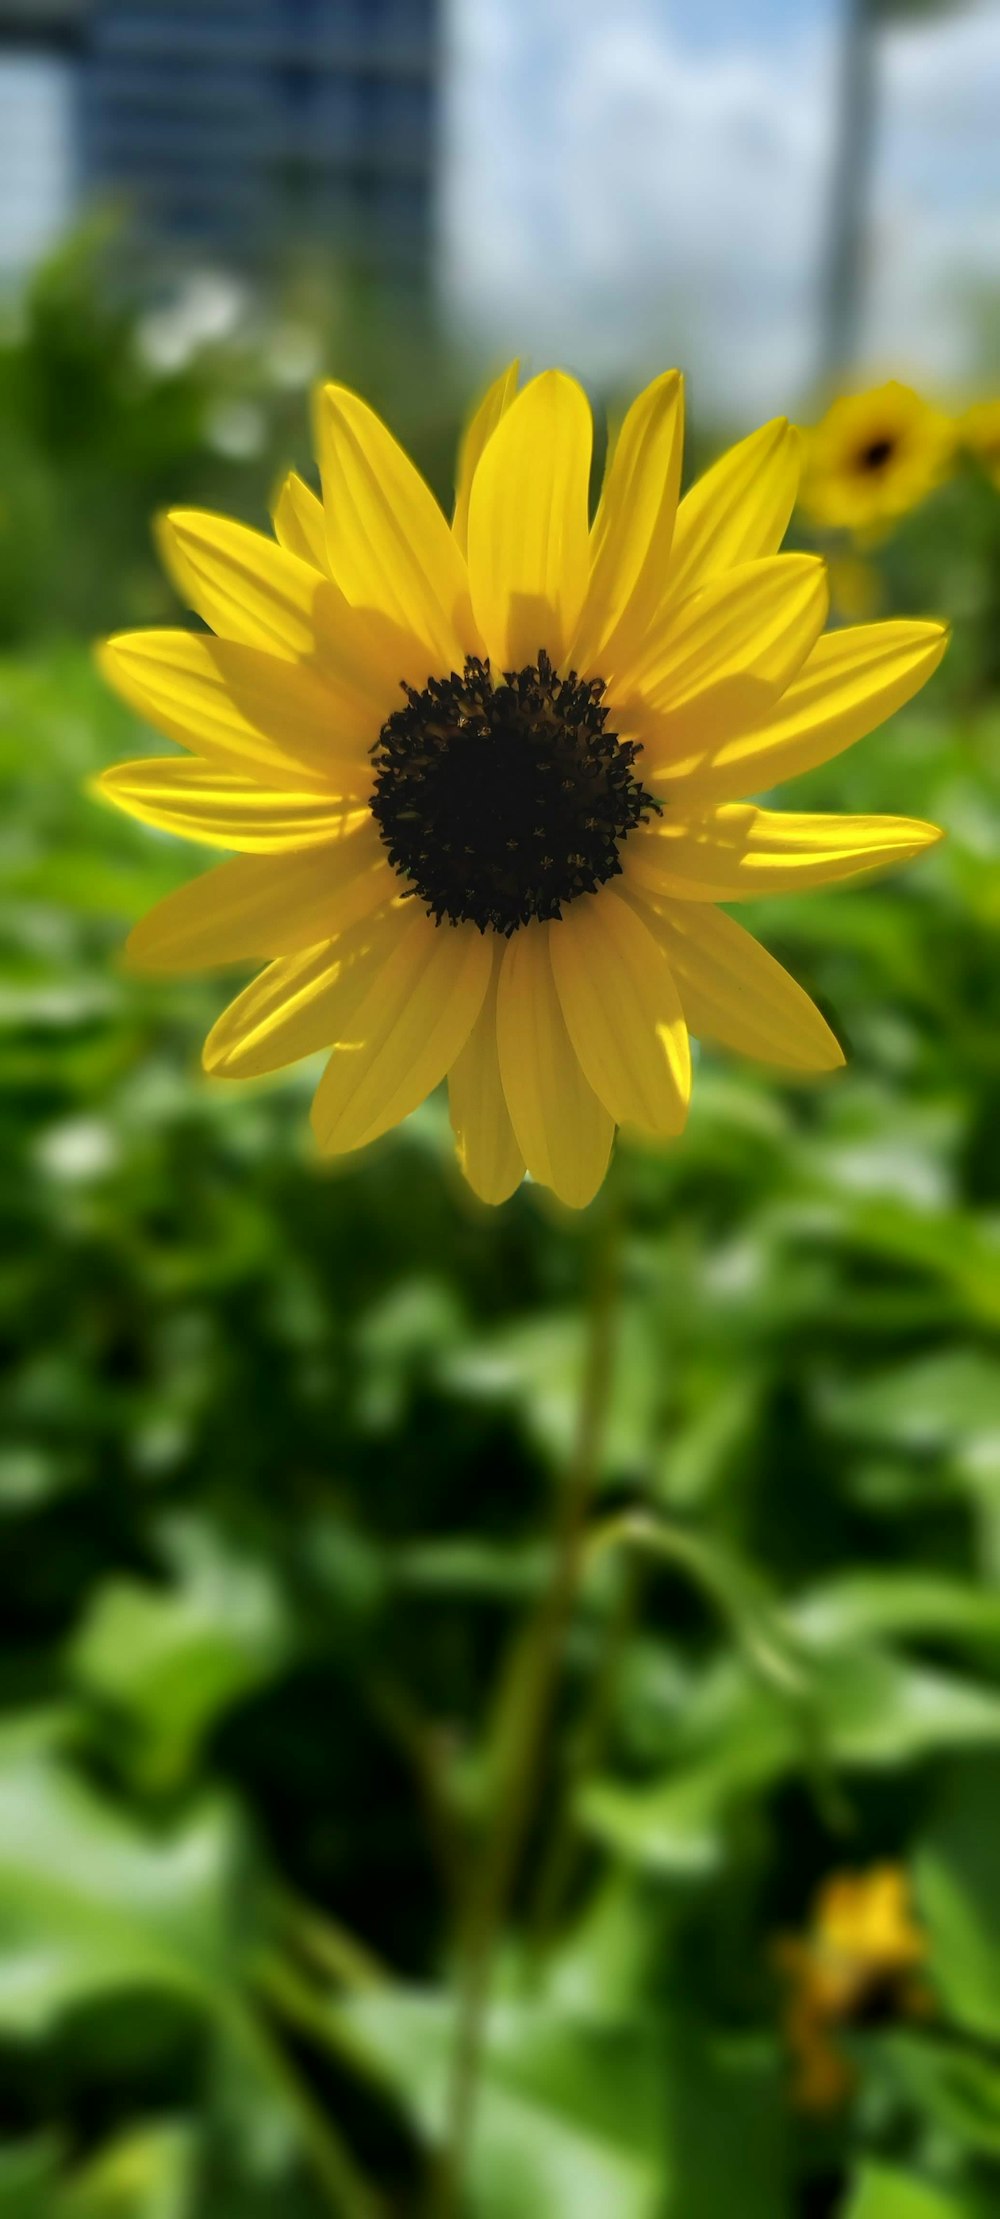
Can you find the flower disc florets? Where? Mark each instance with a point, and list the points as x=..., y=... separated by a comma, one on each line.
x=500, y=803
x=876, y=453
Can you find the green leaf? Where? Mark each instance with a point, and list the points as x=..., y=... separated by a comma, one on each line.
x=461, y=1564
x=904, y=1603
x=935, y=1404
x=678, y=1824
x=743, y=2169
x=570, y=2121
x=147, y=2173
x=956, y=1880
x=602, y=1968
x=29, y=2173
x=863, y=1707
x=174, y=1659
x=879, y=1710
x=535, y=1365
x=955, y=2086
x=91, y=1905
x=883, y=2193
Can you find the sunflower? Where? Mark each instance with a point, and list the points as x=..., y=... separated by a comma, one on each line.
x=481, y=775
x=874, y=456
x=859, y=1961
x=979, y=432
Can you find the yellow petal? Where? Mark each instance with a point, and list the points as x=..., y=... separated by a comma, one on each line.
x=303, y=1002
x=494, y=404
x=564, y=1133
x=728, y=653
x=251, y=590
x=389, y=544
x=739, y=509
x=405, y=1034
x=281, y=724
x=258, y=906
x=243, y=584
x=733, y=991
x=487, y=1150
x=623, y=1012
x=737, y=852
x=850, y=683
x=528, y=538
x=633, y=529
x=222, y=811
x=299, y=523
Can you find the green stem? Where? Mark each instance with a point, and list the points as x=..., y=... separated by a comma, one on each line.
x=559, y=1859
x=517, y=1789
x=329, y=1946
x=736, y=1595
x=344, y=2187
x=771, y=1650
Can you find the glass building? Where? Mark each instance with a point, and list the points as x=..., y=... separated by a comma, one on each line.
x=233, y=127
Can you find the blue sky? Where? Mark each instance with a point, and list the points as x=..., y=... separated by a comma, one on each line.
x=36, y=183
x=631, y=180
x=760, y=24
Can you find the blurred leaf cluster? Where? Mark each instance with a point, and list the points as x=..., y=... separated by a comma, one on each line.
x=279, y=1444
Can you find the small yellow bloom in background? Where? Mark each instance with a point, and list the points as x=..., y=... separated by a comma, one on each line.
x=979, y=432
x=874, y=456
x=482, y=775
x=859, y=1960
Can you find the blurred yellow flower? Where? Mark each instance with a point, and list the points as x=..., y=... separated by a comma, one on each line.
x=979, y=431
x=482, y=774
x=859, y=1959
x=874, y=456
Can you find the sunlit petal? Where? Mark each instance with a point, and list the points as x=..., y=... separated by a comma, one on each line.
x=563, y=1132
x=390, y=547
x=405, y=1033
x=528, y=534
x=257, y=906
x=481, y=426
x=487, y=1150
x=737, y=851
x=623, y=1012
x=732, y=991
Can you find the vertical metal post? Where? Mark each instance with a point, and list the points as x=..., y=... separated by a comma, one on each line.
x=842, y=300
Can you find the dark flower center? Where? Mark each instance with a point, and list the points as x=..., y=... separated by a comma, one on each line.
x=499, y=803
x=877, y=454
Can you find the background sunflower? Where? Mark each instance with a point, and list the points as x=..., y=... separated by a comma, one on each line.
x=875, y=455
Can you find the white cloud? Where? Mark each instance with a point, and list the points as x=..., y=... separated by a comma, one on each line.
x=937, y=204
x=618, y=197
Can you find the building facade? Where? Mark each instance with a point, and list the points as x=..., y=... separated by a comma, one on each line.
x=230, y=127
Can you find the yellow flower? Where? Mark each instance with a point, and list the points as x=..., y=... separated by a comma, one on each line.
x=979, y=431
x=858, y=1960
x=482, y=775
x=874, y=456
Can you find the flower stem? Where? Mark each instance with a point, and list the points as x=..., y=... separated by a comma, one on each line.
x=342, y=2185
x=517, y=1789
x=562, y=1849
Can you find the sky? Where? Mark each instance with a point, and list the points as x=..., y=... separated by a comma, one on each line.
x=630, y=181
x=634, y=182
x=36, y=170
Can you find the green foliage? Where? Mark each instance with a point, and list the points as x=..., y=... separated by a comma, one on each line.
x=280, y=1444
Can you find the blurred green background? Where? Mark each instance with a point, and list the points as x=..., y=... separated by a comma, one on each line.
x=281, y=1443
